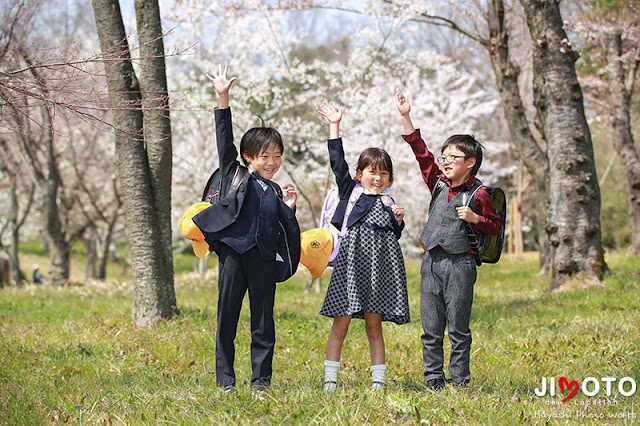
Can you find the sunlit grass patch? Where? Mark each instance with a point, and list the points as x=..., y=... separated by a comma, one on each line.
x=72, y=354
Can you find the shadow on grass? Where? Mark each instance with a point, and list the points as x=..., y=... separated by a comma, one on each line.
x=537, y=307
x=411, y=385
x=492, y=388
x=193, y=314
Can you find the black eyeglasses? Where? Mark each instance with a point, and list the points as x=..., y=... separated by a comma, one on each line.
x=450, y=158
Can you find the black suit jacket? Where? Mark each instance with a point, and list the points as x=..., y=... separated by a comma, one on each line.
x=214, y=220
x=345, y=187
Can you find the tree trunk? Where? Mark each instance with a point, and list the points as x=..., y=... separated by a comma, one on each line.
x=152, y=285
x=89, y=240
x=622, y=135
x=56, y=239
x=157, y=128
x=573, y=220
x=47, y=180
x=532, y=156
x=15, y=277
x=103, y=254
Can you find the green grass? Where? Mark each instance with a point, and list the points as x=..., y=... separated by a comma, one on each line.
x=72, y=354
x=32, y=252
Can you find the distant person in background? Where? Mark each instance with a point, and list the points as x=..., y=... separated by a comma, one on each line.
x=37, y=277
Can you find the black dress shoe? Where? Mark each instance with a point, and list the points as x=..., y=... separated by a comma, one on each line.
x=435, y=384
x=260, y=384
x=461, y=384
x=229, y=389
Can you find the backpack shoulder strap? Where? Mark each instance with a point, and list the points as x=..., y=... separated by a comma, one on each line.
x=440, y=185
x=474, y=241
x=466, y=198
x=329, y=206
x=240, y=174
x=276, y=189
x=354, y=196
x=208, y=185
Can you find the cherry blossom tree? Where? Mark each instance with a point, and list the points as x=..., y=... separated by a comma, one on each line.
x=284, y=83
x=49, y=93
x=575, y=245
x=485, y=23
x=573, y=220
x=143, y=152
x=13, y=183
x=610, y=33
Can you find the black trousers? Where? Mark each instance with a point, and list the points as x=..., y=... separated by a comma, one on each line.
x=237, y=274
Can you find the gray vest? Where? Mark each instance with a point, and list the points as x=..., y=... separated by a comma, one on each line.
x=444, y=228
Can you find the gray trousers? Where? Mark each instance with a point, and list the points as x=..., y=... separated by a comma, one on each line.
x=446, y=296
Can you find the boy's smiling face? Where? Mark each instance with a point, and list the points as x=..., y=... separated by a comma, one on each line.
x=267, y=163
x=459, y=169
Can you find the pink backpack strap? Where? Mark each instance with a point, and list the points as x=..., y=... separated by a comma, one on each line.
x=353, y=199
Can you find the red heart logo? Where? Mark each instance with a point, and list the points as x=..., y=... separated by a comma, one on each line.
x=566, y=385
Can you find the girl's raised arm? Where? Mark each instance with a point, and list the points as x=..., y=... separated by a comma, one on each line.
x=333, y=115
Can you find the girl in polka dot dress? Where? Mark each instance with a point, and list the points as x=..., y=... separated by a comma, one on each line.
x=369, y=280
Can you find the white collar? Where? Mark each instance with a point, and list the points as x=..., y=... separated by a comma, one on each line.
x=387, y=191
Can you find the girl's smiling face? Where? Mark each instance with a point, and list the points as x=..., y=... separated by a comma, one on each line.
x=267, y=163
x=373, y=179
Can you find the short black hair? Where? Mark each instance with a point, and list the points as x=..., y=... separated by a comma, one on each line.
x=257, y=140
x=377, y=158
x=469, y=145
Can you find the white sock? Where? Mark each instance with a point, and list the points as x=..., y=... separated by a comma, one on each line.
x=377, y=376
x=330, y=375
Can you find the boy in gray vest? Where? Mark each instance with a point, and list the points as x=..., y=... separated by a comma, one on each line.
x=448, y=265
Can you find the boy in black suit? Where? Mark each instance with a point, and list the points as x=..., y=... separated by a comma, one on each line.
x=256, y=236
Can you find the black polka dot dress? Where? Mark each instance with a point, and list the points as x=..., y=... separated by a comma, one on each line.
x=369, y=275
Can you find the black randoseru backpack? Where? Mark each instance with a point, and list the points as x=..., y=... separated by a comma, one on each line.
x=213, y=188
x=488, y=248
x=213, y=193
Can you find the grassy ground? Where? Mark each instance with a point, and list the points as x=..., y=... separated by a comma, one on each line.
x=73, y=355
x=32, y=253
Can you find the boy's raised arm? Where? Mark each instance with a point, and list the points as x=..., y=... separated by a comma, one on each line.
x=227, y=153
x=404, y=107
x=222, y=85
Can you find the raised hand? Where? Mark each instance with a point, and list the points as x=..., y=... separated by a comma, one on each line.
x=220, y=80
x=330, y=112
x=402, y=102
